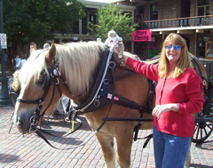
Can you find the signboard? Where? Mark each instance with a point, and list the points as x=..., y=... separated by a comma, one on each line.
x=142, y=35
x=3, y=39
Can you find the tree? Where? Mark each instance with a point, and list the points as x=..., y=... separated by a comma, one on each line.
x=37, y=20
x=110, y=18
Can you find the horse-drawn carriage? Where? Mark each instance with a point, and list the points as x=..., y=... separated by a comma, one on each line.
x=119, y=97
x=204, y=120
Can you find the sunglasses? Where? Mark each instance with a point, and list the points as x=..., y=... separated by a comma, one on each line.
x=176, y=47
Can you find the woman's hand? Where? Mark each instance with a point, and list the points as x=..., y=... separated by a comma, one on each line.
x=117, y=47
x=159, y=109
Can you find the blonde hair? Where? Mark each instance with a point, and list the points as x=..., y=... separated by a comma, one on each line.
x=183, y=62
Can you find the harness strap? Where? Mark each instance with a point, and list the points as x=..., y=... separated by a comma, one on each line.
x=97, y=85
x=124, y=75
x=130, y=73
x=137, y=127
x=147, y=139
x=126, y=102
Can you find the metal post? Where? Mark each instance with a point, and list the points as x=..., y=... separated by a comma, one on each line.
x=4, y=95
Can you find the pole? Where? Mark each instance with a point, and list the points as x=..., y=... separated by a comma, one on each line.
x=4, y=95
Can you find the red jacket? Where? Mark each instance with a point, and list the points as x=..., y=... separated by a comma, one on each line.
x=186, y=90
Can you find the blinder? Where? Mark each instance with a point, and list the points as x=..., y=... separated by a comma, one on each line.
x=45, y=87
x=13, y=94
x=46, y=82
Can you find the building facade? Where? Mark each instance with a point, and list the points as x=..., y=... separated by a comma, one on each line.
x=192, y=19
x=79, y=30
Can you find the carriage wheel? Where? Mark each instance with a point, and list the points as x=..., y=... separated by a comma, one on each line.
x=202, y=131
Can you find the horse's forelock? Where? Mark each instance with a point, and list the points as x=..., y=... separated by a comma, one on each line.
x=33, y=66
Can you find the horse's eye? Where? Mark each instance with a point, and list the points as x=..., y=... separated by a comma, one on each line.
x=41, y=79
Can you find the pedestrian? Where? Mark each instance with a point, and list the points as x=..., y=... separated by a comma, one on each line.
x=17, y=62
x=178, y=96
x=33, y=47
x=23, y=60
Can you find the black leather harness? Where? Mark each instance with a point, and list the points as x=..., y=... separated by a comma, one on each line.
x=103, y=93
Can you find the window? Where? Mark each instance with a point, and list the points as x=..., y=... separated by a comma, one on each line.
x=202, y=2
x=75, y=27
x=202, y=7
x=154, y=11
x=91, y=17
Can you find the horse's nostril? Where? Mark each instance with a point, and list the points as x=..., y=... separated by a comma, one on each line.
x=19, y=123
x=23, y=120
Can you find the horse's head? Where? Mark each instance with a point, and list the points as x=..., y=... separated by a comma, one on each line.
x=38, y=88
x=47, y=74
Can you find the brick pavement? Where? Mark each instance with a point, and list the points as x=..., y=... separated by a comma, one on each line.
x=30, y=151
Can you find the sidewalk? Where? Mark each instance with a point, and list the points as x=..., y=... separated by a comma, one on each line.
x=29, y=151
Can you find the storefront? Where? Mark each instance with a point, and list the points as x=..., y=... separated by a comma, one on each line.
x=145, y=45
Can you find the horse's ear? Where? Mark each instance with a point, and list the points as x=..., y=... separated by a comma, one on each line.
x=50, y=55
x=16, y=84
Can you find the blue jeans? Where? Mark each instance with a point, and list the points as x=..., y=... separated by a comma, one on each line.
x=169, y=150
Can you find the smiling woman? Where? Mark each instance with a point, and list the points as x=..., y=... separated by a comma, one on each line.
x=178, y=96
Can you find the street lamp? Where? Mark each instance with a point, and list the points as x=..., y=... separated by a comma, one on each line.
x=4, y=95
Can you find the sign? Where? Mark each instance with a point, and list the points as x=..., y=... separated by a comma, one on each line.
x=3, y=39
x=142, y=35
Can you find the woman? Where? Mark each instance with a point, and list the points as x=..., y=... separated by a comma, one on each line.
x=178, y=96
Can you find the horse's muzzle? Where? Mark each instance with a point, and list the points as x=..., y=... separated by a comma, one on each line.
x=23, y=121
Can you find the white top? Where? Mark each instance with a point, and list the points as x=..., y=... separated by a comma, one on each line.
x=23, y=61
x=18, y=62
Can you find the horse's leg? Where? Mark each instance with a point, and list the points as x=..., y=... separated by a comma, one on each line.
x=124, y=144
x=107, y=146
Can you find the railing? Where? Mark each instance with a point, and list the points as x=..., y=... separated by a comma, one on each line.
x=180, y=22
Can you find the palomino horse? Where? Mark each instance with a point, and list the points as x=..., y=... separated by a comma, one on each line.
x=72, y=70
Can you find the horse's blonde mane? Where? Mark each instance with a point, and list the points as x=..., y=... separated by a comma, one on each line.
x=77, y=62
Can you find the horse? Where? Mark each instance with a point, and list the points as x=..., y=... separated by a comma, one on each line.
x=72, y=70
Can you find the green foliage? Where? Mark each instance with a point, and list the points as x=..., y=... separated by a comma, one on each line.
x=110, y=18
x=37, y=20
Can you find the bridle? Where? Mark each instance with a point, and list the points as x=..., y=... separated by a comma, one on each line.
x=51, y=77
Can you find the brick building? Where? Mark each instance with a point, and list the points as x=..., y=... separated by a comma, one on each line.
x=193, y=19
